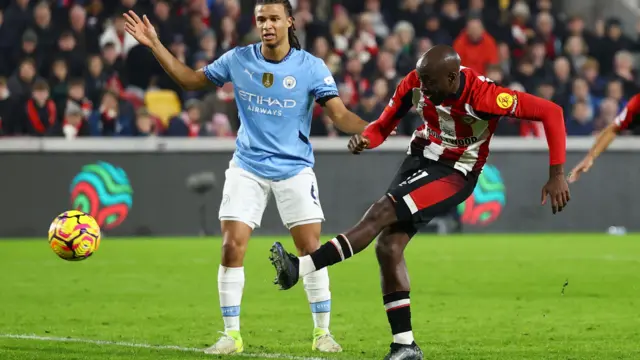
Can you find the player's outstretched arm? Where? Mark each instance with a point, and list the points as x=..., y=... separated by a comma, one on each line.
x=604, y=139
x=624, y=120
x=344, y=119
x=378, y=131
x=145, y=34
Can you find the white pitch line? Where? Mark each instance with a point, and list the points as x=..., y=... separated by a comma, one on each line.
x=148, y=346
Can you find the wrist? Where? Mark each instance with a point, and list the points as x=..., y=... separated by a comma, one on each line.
x=556, y=170
x=155, y=44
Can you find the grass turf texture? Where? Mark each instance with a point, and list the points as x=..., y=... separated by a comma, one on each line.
x=473, y=297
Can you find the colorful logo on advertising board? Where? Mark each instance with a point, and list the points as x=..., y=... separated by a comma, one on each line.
x=487, y=201
x=103, y=191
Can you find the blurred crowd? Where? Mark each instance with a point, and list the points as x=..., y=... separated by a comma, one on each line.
x=68, y=68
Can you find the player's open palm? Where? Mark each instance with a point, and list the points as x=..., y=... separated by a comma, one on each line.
x=558, y=191
x=582, y=167
x=358, y=143
x=140, y=29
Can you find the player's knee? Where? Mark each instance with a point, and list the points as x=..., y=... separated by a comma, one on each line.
x=306, y=237
x=308, y=247
x=234, y=245
x=306, y=243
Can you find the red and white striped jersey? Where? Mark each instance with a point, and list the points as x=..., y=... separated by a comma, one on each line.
x=629, y=117
x=457, y=131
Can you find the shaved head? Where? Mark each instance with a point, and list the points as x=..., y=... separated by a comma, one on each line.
x=439, y=72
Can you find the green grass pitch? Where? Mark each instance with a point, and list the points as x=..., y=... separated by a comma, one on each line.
x=473, y=297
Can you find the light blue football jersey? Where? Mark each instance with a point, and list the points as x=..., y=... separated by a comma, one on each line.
x=275, y=104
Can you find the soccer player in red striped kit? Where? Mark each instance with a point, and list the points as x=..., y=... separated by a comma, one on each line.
x=460, y=109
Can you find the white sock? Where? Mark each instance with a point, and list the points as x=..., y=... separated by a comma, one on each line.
x=230, y=286
x=405, y=338
x=306, y=266
x=316, y=285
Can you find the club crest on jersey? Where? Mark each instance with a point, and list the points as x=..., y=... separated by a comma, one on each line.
x=267, y=80
x=504, y=100
x=289, y=82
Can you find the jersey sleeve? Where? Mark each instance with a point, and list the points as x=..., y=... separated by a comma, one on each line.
x=219, y=71
x=323, y=86
x=628, y=117
x=398, y=107
x=492, y=99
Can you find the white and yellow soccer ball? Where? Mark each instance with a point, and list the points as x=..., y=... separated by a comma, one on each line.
x=74, y=235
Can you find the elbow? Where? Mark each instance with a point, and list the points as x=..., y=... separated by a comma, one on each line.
x=191, y=82
x=189, y=85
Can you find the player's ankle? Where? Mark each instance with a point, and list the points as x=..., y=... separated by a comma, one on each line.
x=233, y=333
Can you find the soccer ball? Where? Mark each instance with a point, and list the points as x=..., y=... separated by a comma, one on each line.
x=74, y=235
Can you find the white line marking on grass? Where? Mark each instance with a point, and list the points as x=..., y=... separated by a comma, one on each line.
x=148, y=346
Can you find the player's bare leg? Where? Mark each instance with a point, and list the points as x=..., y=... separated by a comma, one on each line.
x=290, y=269
x=307, y=240
x=235, y=237
x=394, y=280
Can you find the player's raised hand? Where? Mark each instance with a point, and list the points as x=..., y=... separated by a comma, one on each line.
x=358, y=143
x=140, y=29
x=582, y=167
x=558, y=191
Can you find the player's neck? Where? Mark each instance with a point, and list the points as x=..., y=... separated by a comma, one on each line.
x=276, y=54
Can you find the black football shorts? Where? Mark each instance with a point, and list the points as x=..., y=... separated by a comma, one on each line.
x=423, y=189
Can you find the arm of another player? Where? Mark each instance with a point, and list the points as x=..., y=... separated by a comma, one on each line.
x=145, y=34
x=343, y=118
x=606, y=137
x=325, y=91
x=399, y=105
x=500, y=101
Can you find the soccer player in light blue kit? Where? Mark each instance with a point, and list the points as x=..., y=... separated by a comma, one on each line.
x=275, y=85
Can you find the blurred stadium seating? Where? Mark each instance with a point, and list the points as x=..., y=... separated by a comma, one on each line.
x=73, y=51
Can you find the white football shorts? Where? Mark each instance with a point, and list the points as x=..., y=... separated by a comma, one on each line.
x=245, y=196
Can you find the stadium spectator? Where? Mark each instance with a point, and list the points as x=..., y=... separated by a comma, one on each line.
x=544, y=30
x=74, y=124
x=580, y=93
x=45, y=31
x=591, y=72
x=615, y=91
x=477, y=48
x=115, y=34
x=575, y=49
x=188, y=123
x=145, y=125
x=434, y=31
x=21, y=81
x=623, y=71
x=113, y=117
x=38, y=114
x=580, y=121
x=606, y=114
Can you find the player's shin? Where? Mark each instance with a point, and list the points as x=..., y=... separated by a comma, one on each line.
x=336, y=250
x=398, y=309
x=316, y=285
x=230, y=287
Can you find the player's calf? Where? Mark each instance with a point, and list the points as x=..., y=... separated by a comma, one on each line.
x=343, y=246
x=290, y=268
